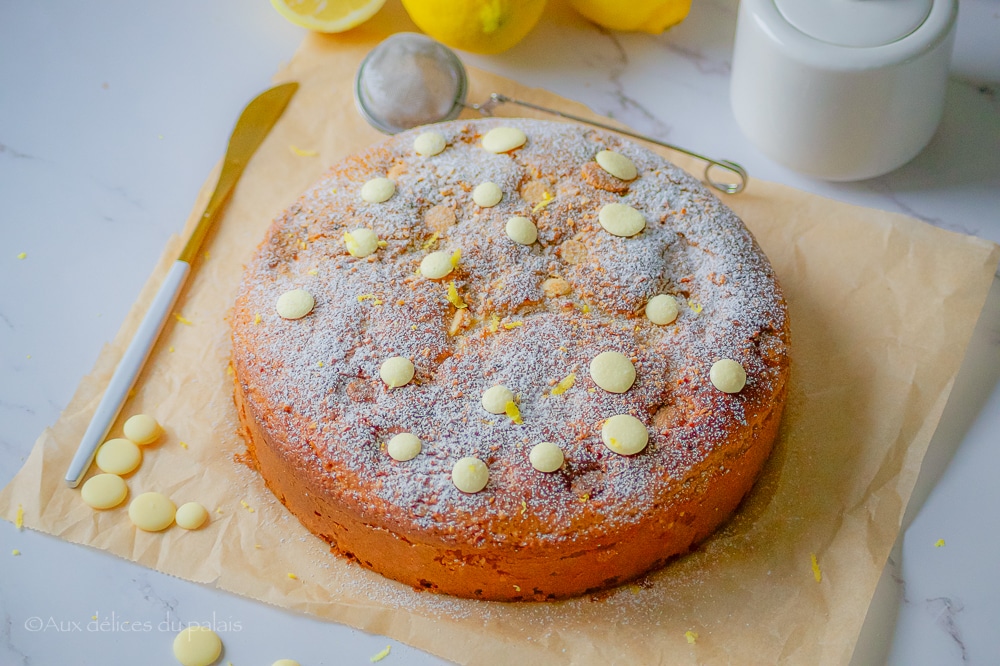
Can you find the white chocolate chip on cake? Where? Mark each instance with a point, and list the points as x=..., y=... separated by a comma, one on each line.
x=621, y=220
x=436, y=265
x=503, y=139
x=728, y=376
x=495, y=399
x=295, y=304
x=521, y=230
x=378, y=190
x=152, y=512
x=104, y=491
x=429, y=144
x=361, y=242
x=197, y=646
x=142, y=429
x=191, y=516
x=404, y=446
x=470, y=474
x=118, y=456
x=617, y=165
x=662, y=309
x=546, y=457
x=624, y=434
x=612, y=371
x=487, y=195
x=396, y=371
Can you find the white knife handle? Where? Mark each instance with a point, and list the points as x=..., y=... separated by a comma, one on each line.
x=127, y=371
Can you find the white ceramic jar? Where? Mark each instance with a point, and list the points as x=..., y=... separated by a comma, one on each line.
x=841, y=89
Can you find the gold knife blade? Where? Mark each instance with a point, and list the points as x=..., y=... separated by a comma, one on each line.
x=254, y=123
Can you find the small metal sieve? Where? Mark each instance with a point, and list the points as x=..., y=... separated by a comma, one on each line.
x=410, y=80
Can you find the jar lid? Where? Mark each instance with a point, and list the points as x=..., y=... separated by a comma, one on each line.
x=857, y=23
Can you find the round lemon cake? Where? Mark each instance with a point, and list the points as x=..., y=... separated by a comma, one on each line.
x=509, y=359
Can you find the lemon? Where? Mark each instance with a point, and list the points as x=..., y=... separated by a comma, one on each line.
x=327, y=15
x=479, y=26
x=652, y=16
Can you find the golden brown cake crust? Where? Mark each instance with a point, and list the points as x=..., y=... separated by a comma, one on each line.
x=317, y=416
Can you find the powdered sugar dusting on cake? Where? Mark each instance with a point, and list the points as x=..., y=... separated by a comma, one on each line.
x=324, y=367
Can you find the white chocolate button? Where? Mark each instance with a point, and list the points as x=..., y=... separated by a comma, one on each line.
x=197, y=646
x=104, y=491
x=152, y=512
x=396, y=371
x=429, y=144
x=470, y=475
x=191, y=516
x=487, y=194
x=546, y=457
x=118, y=456
x=662, y=309
x=436, y=265
x=617, y=165
x=624, y=434
x=621, y=220
x=404, y=446
x=361, y=242
x=378, y=190
x=495, y=399
x=142, y=429
x=503, y=139
x=612, y=371
x=294, y=304
x=728, y=376
x=521, y=230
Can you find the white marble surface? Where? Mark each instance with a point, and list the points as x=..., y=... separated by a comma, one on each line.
x=112, y=114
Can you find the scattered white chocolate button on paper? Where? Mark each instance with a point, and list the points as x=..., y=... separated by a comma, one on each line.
x=503, y=139
x=104, y=491
x=617, y=165
x=197, y=646
x=487, y=194
x=378, y=190
x=142, y=429
x=152, y=512
x=495, y=399
x=662, y=309
x=521, y=230
x=429, y=144
x=295, y=304
x=361, y=242
x=396, y=371
x=436, y=265
x=621, y=220
x=546, y=457
x=118, y=456
x=191, y=516
x=404, y=446
x=624, y=434
x=728, y=376
x=612, y=371
x=470, y=474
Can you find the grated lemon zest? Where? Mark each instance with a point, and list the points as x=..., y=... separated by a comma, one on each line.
x=517, y=588
x=182, y=319
x=691, y=636
x=546, y=200
x=456, y=257
x=454, y=298
x=524, y=507
x=256, y=318
x=15, y=552
x=695, y=307
x=585, y=308
x=312, y=271
x=513, y=412
x=292, y=576
x=319, y=364
x=183, y=445
x=19, y=517
x=22, y=255
x=381, y=655
x=817, y=574
x=429, y=243
x=939, y=543
x=584, y=498
x=303, y=245
x=565, y=384
x=170, y=349
x=302, y=152
x=351, y=243
x=382, y=243
x=369, y=297
x=512, y=324
x=494, y=322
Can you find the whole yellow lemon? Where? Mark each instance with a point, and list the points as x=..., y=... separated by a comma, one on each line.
x=652, y=16
x=478, y=26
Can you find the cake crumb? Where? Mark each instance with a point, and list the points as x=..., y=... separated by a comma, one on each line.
x=381, y=655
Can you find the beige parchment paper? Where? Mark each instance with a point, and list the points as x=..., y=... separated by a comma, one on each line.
x=881, y=306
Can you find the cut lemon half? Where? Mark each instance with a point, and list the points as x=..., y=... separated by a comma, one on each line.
x=327, y=15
